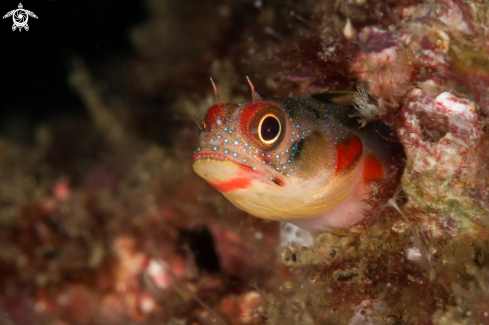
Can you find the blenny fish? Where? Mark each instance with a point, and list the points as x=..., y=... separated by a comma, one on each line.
x=288, y=159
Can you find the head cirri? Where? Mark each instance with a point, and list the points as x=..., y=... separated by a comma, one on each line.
x=286, y=159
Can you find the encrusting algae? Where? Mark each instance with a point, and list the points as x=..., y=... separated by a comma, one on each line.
x=118, y=229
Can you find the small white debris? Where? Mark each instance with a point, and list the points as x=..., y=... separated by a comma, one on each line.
x=369, y=312
x=293, y=235
x=413, y=254
x=158, y=273
x=147, y=304
x=348, y=31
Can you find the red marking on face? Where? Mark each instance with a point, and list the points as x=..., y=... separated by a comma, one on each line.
x=348, y=152
x=372, y=168
x=238, y=183
x=212, y=114
x=253, y=108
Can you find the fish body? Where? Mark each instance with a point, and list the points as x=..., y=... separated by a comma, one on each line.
x=288, y=159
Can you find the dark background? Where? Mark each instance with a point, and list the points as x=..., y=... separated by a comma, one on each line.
x=35, y=64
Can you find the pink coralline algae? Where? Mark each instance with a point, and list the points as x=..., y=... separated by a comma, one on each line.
x=426, y=77
x=410, y=72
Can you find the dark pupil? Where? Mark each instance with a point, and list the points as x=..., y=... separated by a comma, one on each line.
x=269, y=128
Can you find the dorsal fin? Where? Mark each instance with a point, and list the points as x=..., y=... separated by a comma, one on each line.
x=343, y=98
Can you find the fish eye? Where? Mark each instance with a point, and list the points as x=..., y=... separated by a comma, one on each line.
x=269, y=129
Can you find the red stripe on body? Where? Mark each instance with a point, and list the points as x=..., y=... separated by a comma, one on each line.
x=372, y=168
x=238, y=183
x=348, y=153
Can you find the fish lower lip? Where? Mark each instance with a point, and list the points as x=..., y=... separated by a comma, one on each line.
x=220, y=157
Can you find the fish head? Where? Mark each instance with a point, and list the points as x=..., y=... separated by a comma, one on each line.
x=280, y=158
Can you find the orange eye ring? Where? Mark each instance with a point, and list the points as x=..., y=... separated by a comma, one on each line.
x=269, y=142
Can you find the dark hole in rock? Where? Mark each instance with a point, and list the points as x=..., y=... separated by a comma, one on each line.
x=394, y=320
x=49, y=253
x=201, y=244
x=434, y=126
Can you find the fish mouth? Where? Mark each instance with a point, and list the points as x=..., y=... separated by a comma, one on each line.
x=218, y=157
